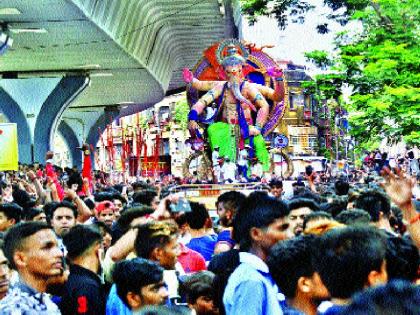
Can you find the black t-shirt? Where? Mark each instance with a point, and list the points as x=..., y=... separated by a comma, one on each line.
x=83, y=293
x=410, y=155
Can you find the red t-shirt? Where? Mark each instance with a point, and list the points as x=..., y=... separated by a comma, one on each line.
x=191, y=260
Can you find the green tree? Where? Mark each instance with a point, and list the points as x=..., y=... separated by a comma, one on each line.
x=143, y=120
x=181, y=113
x=380, y=64
x=295, y=10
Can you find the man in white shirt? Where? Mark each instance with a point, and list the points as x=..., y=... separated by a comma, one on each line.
x=256, y=169
x=243, y=163
x=229, y=170
x=215, y=159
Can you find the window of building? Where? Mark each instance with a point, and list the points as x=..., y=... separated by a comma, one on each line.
x=297, y=100
x=313, y=142
x=295, y=140
x=165, y=147
x=291, y=107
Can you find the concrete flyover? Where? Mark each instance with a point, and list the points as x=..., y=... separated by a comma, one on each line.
x=91, y=61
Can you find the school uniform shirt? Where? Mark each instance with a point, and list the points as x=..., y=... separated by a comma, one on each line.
x=251, y=289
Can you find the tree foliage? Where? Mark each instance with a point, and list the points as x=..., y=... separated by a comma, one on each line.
x=380, y=64
x=181, y=113
x=295, y=10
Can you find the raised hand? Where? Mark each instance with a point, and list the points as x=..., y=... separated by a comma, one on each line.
x=31, y=175
x=187, y=75
x=254, y=131
x=398, y=186
x=71, y=194
x=192, y=125
x=275, y=72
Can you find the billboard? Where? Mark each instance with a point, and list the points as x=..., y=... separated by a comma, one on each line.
x=8, y=147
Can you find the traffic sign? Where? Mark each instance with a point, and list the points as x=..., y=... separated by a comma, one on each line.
x=280, y=141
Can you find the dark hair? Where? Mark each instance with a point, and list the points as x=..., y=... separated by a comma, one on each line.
x=12, y=211
x=80, y=239
x=48, y=207
x=341, y=187
x=145, y=197
x=130, y=214
x=198, y=284
x=353, y=217
x=373, y=202
x=132, y=275
x=396, y=297
x=402, y=259
x=16, y=236
x=198, y=216
x=258, y=210
x=118, y=188
x=289, y=260
x=232, y=200
x=296, y=203
x=334, y=207
x=31, y=213
x=275, y=182
x=75, y=178
x=140, y=185
x=104, y=196
x=307, y=194
x=118, y=196
x=316, y=215
x=101, y=226
x=22, y=198
x=89, y=203
x=63, y=204
x=345, y=257
x=153, y=235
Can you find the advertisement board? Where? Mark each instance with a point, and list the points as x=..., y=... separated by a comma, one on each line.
x=8, y=147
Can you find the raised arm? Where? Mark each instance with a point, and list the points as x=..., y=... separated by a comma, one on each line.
x=198, y=108
x=399, y=188
x=276, y=95
x=263, y=108
x=197, y=84
x=83, y=211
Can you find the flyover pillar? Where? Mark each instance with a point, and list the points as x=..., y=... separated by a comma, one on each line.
x=72, y=143
x=105, y=119
x=14, y=114
x=47, y=122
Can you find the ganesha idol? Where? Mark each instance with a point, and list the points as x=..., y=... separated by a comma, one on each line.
x=246, y=111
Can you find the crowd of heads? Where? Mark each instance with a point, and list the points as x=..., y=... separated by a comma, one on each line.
x=121, y=248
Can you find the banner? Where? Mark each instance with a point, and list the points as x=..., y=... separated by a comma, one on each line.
x=8, y=147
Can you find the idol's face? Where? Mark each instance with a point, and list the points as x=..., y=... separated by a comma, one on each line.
x=234, y=73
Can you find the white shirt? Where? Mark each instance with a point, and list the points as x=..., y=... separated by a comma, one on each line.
x=215, y=158
x=242, y=160
x=229, y=170
x=257, y=170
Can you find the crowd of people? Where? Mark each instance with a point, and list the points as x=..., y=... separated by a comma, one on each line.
x=87, y=245
x=409, y=161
